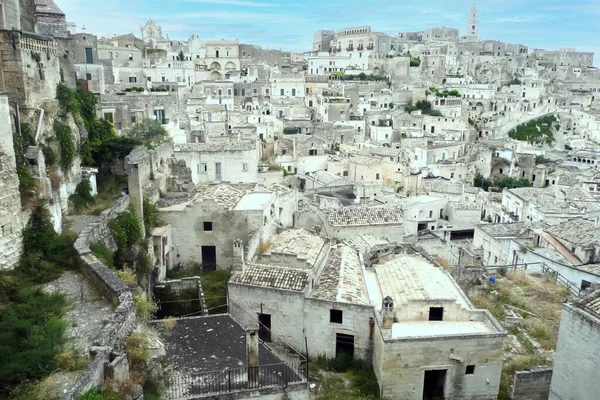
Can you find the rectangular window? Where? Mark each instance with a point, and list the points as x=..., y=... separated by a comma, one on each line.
x=282, y=92
x=243, y=92
x=88, y=76
x=470, y=370
x=293, y=92
x=109, y=117
x=254, y=92
x=204, y=167
x=244, y=167
x=235, y=92
x=335, y=316
x=436, y=313
x=110, y=55
x=132, y=79
x=376, y=177
x=267, y=92
x=345, y=173
x=207, y=226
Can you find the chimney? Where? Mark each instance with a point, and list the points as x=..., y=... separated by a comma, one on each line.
x=238, y=254
x=387, y=312
x=252, y=357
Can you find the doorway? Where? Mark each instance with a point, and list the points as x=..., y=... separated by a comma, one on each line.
x=89, y=55
x=433, y=385
x=209, y=258
x=264, y=327
x=344, y=346
x=218, y=171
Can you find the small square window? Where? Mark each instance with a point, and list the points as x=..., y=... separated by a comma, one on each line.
x=470, y=370
x=335, y=316
x=244, y=167
x=436, y=313
x=207, y=226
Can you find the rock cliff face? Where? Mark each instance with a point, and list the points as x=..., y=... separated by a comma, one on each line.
x=11, y=224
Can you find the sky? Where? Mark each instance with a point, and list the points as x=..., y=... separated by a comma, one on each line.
x=289, y=25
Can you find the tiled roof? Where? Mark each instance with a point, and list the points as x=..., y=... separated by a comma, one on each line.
x=216, y=147
x=577, y=231
x=365, y=243
x=514, y=229
x=354, y=216
x=225, y=195
x=275, y=277
x=342, y=279
x=591, y=302
x=298, y=242
x=445, y=187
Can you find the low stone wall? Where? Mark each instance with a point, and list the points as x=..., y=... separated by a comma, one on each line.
x=124, y=318
x=532, y=385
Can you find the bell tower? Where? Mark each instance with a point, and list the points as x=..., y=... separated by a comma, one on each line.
x=473, y=24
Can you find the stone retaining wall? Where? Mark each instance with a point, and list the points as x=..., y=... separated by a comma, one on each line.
x=532, y=385
x=124, y=318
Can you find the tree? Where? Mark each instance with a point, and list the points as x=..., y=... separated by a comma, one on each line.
x=180, y=56
x=482, y=182
x=148, y=130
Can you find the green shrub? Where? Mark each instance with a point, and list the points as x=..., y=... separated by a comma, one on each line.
x=126, y=229
x=67, y=100
x=50, y=156
x=151, y=216
x=148, y=130
x=103, y=254
x=511, y=183
x=27, y=183
x=104, y=394
x=31, y=335
x=83, y=195
x=64, y=136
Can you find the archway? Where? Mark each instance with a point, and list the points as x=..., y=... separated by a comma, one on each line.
x=215, y=75
x=215, y=66
x=230, y=66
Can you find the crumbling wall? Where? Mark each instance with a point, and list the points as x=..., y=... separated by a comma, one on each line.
x=532, y=385
x=124, y=319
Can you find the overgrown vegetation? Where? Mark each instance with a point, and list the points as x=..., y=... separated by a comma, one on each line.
x=214, y=284
x=83, y=195
x=104, y=254
x=332, y=375
x=151, y=216
x=27, y=183
x=535, y=131
x=510, y=183
x=102, y=145
x=127, y=231
x=64, y=136
x=362, y=77
x=145, y=308
x=444, y=93
x=149, y=131
x=31, y=321
x=538, y=300
x=103, y=394
x=424, y=106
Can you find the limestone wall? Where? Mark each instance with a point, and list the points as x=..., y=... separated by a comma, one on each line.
x=532, y=385
x=124, y=318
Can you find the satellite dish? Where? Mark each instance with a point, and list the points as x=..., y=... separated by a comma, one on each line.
x=154, y=117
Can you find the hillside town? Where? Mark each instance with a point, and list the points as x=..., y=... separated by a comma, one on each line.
x=409, y=215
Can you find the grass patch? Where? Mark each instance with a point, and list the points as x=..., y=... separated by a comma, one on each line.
x=214, y=285
x=104, y=254
x=137, y=348
x=536, y=131
x=110, y=188
x=343, y=378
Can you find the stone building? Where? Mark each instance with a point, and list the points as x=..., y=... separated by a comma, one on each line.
x=429, y=341
x=205, y=228
x=575, y=372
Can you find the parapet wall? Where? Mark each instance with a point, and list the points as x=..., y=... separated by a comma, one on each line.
x=124, y=318
x=532, y=385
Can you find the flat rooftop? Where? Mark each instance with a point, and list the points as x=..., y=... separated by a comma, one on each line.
x=407, y=278
x=210, y=343
x=253, y=201
x=435, y=328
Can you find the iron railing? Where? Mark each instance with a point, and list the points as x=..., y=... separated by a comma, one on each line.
x=181, y=385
